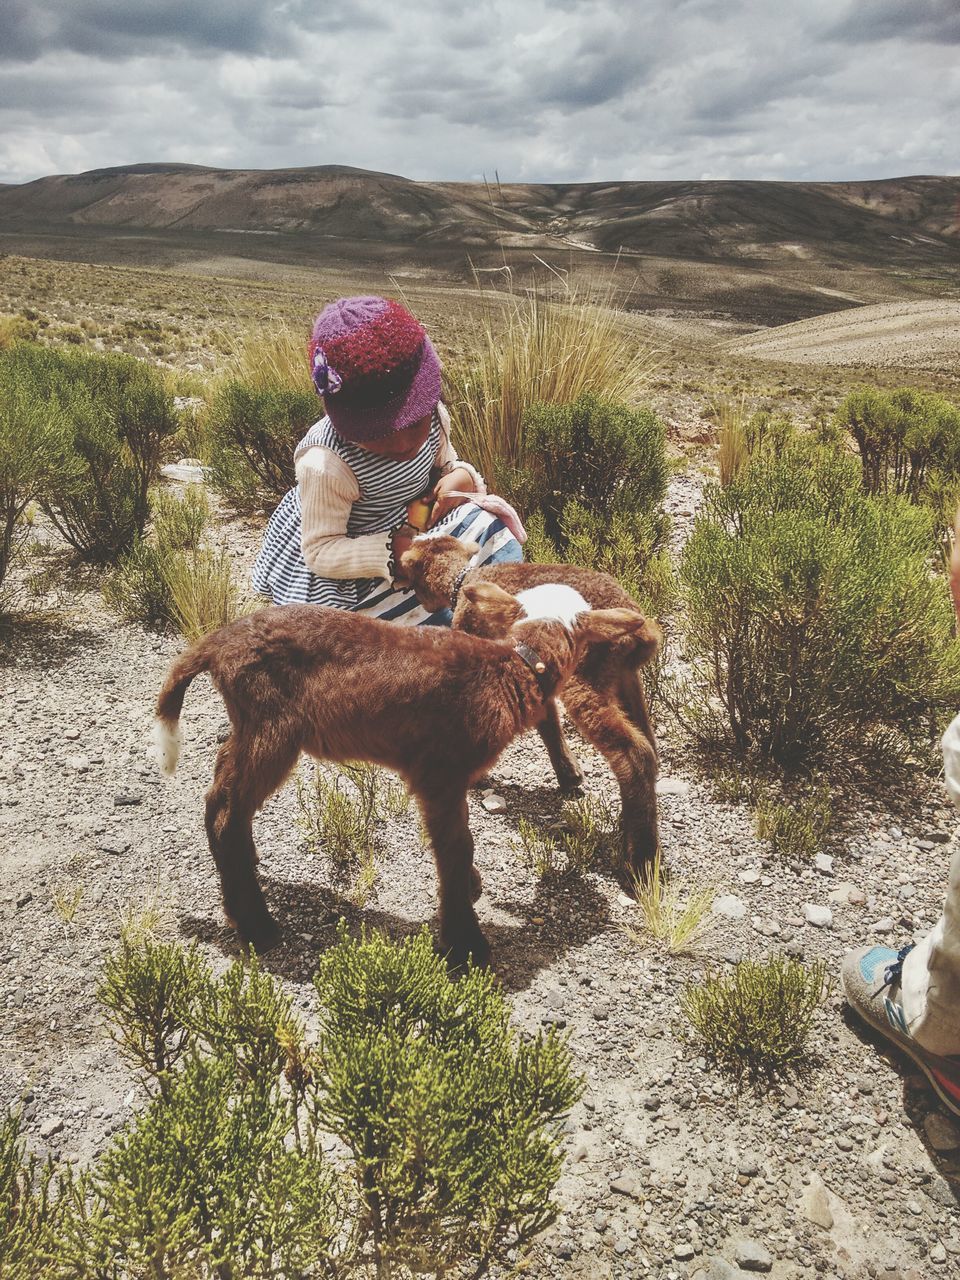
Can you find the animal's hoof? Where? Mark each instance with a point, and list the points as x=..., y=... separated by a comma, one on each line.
x=476, y=884
x=265, y=937
x=571, y=786
x=459, y=954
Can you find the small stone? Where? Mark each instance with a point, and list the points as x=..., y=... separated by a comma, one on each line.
x=672, y=787
x=71, y=735
x=494, y=804
x=113, y=844
x=748, y=1167
x=683, y=1251
x=126, y=798
x=51, y=1126
x=720, y=1269
x=882, y=926
x=750, y=1256
x=942, y=1132
x=79, y=764
x=819, y=917
x=626, y=1185
x=842, y=893
x=790, y=1097
x=729, y=905
x=749, y=876
x=938, y=1254
x=815, y=1203
x=823, y=862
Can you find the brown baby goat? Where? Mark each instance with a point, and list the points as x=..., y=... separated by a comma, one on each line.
x=437, y=706
x=604, y=697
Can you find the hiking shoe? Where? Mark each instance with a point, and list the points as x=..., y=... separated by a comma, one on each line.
x=871, y=983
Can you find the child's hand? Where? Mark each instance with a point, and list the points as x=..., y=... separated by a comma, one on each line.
x=458, y=481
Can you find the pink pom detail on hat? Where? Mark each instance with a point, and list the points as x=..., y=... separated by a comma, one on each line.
x=374, y=366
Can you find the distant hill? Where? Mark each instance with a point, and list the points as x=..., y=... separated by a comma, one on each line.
x=898, y=221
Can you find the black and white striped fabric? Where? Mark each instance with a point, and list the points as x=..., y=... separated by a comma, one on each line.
x=387, y=485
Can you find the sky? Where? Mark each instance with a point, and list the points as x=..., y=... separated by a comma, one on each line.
x=535, y=90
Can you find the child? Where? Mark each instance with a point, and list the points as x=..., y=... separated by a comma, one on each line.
x=337, y=537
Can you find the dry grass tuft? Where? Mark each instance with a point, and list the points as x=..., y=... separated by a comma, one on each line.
x=673, y=911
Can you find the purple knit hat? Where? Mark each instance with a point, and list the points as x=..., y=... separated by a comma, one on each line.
x=374, y=366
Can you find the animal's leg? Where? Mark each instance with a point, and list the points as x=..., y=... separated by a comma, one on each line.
x=445, y=817
x=246, y=773
x=602, y=721
x=565, y=766
x=633, y=699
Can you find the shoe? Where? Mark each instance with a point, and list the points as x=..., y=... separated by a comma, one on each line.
x=871, y=983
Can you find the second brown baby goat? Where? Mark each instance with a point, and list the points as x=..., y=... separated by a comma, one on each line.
x=437, y=706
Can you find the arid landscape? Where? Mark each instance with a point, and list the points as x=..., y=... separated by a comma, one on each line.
x=741, y=296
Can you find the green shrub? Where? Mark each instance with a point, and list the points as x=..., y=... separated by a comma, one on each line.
x=756, y=1020
x=253, y=430
x=113, y=416
x=906, y=438
x=137, y=588
x=814, y=617
x=30, y=462
x=179, y=521
x=31, y=1209
x=452, y=1121
x=796, y=830
x=592, y=485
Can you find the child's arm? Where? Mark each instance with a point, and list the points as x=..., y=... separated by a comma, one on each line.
x=328, y=490
x=451, y=473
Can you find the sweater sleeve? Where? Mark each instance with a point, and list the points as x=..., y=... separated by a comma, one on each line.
x=328, y=490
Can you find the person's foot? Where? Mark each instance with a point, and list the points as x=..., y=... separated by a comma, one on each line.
x=871, y=983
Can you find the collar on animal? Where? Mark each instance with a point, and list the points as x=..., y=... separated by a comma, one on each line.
x=457, y=584
x=535, y=663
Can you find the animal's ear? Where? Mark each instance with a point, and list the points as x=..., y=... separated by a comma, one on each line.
x=490, y=605
x=627, y=630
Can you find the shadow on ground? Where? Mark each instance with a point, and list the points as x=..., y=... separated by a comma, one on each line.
x=560, y=917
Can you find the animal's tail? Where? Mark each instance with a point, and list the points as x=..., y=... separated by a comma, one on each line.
x=166, y=736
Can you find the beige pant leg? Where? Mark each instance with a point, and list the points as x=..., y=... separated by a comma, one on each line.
x=930, y=983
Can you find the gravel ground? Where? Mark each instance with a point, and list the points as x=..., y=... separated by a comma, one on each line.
x=670, y=1171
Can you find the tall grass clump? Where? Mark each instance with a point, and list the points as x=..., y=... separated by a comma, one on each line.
x=114, y=416
x=756, y=1021
x=537, y=351
x=815, y=618
x=447, y=1127
x=673, y=912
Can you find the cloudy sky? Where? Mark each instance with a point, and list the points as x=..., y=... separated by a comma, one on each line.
x=539, y=90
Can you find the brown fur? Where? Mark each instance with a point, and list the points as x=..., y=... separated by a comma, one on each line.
x=437, y=706
x=604, y=697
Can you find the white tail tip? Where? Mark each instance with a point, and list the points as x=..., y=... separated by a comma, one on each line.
x=166, y=740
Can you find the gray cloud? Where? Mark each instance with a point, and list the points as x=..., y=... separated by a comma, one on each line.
x=553, y=90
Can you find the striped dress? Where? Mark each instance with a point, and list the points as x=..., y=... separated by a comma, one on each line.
x=387, y=486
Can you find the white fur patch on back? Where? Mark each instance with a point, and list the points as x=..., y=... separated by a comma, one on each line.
x=166, y=741
x=553, y=600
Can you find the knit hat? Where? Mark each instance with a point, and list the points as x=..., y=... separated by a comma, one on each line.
x=374, y=366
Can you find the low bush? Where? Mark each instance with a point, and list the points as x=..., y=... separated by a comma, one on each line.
x=447, y=1127
x=593, y=487
x=795, y=829
x=908, y=439
x=179, y=521
x=756, y=1020
x=815, y=619
x=452, y=1121
x=30, y=460
x=253, y=430
x=113, y=416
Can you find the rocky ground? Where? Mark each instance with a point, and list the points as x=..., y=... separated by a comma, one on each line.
x=671, y=1172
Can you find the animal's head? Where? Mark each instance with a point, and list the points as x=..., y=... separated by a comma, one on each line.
x=432, y=565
